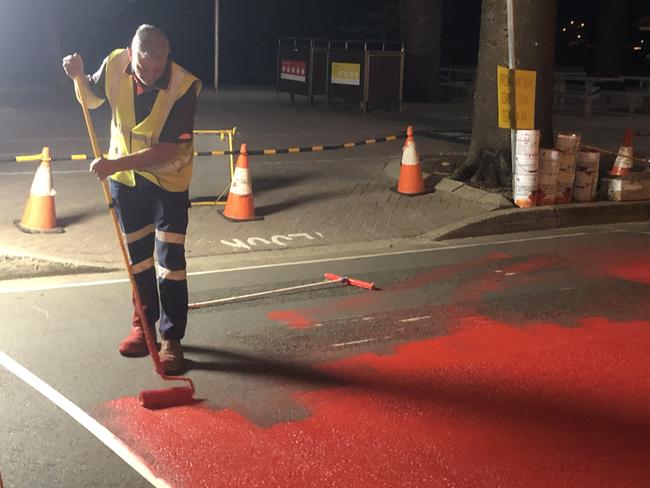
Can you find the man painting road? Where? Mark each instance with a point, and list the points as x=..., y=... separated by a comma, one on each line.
x=153, y=102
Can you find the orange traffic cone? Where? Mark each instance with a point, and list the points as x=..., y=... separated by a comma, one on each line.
x=240, y=206
x=40, y=213
x=410, y=174
x=624, y=162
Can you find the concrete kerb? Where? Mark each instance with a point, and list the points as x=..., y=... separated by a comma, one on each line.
x=506, y=219
x=543, y=218
x=495, y=222
x=17, y=264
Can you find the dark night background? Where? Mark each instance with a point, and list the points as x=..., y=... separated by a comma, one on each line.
x=35, y=33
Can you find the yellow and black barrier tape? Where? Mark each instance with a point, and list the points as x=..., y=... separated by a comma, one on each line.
x=302, y=149
x=252, y=152
x=30, y=158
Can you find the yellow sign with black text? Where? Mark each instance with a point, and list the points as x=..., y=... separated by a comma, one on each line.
x=346, y=74
x=525, y=83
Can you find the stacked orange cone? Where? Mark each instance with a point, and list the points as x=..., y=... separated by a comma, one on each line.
x=40, y=212
x=624, y=162
x=410, y=174
x=240, y=206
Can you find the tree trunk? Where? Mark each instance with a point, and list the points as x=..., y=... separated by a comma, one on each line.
x=611, y=25
x=489, y=159
x=421, y=25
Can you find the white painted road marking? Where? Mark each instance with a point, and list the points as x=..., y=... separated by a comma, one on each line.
x=415, y=319
x=362, y=341
x=4, y=291
x=85, y=420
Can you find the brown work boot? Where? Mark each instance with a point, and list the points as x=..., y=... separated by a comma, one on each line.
x=171, y=357
x=135, y=345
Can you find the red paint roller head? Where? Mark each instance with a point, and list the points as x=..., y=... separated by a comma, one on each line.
x=351, y=281
x=167, y=397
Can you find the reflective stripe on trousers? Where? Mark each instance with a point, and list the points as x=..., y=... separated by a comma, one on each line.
x=153, y=218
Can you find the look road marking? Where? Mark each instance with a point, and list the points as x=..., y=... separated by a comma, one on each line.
x=85, y=420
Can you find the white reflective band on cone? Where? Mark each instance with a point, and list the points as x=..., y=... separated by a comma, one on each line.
x=42, y=184
x=624, y=157
x=410, y=155
x=241, y=182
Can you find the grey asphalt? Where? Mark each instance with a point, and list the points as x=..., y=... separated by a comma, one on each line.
x=245, y=362
x=321, y=201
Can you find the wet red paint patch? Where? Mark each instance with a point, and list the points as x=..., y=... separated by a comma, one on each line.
x=367, y=301
x=536, y=263
x=292, y=318
x=492, y=405
x=638, y=271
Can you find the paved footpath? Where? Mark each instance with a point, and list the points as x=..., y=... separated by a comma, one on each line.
x=329, y=198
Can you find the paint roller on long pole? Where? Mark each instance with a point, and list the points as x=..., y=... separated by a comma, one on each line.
x=153, y=399
x=330, y=279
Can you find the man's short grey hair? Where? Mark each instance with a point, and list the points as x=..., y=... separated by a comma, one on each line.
x=150, y=41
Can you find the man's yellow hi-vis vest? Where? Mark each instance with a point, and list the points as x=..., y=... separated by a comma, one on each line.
x=128, y=138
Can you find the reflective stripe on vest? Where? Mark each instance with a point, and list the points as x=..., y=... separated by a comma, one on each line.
x=127, y=137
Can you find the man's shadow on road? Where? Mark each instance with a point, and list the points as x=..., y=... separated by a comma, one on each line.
x=223, y=360
x=521, y=406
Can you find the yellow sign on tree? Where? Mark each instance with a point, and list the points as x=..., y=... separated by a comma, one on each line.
x=525, y=82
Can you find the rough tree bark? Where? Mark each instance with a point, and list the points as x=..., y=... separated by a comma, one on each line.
x=421, y=25
x=488, y=162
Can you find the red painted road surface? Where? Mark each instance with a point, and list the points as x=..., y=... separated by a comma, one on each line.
x=489, y=403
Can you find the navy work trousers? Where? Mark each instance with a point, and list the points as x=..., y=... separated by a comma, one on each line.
x=152, y=217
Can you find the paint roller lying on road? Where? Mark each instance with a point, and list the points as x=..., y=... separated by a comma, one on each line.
x=330, y=279
x=153, y=399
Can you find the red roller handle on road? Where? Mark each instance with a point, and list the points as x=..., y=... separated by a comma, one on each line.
x=350, y=281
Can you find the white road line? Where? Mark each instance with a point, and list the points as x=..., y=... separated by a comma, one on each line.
x=85, y=420
x=351, y=343
x=415, y=319
x=362, y=341
x=297, y=263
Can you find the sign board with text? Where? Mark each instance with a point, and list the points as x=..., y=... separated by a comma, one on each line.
x=525, y=84
x=293, y=70
x=346, y=73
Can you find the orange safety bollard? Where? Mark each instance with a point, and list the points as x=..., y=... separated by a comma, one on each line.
x=39, y=216
x=624, y=162
x=410, y=180
x=240, y=206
